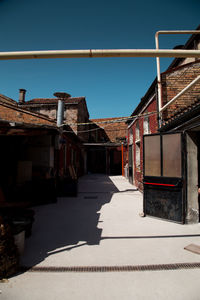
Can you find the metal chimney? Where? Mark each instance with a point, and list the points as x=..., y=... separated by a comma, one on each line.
x=22, y=93
x=60, y=113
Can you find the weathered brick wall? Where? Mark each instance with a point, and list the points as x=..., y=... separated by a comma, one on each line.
x=153, y=126
x=153, y=122
x=71, y=117
x=48, y=110
x=83, y=117
x=176, y=80
x=73, y=114
x=115, y=131
x=15, y=114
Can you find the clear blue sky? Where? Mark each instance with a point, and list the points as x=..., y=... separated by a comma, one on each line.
x=113, y=86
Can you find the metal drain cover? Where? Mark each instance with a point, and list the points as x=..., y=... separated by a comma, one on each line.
x=128, y=268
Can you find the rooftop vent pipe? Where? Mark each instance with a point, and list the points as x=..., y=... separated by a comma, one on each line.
x=60, y=113
x=22, y=93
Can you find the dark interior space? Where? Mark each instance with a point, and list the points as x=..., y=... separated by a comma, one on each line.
x=21, y=179
x=198, y=149
x=115, y=162
x=96, y=160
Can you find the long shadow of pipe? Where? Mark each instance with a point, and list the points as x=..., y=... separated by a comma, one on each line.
x=126, y=238
x=69, y=222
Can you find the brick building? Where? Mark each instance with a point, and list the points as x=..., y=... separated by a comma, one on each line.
x=160, y=145
x=106, y=147
x=34, y=151
x=75, y=111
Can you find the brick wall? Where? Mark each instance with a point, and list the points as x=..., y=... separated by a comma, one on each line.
x=73, y=113
x=153, y=126
x=176, y=80
x=15, y=114
x=115, y=131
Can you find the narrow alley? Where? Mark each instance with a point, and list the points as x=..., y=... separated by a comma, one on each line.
x=102, y=228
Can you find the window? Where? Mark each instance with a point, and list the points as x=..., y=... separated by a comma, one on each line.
x=137, y=153
x=130, y=137
x=137, y=132
x=146, y=127
x=152, y=156
x=172, y=155
x=137, y=145
x=162, y=155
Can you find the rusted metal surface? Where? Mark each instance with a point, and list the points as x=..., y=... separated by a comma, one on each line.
x=165, y=203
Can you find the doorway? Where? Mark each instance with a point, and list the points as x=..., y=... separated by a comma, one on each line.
x=130, y=163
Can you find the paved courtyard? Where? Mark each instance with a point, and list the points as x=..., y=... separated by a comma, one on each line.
x=102, y=238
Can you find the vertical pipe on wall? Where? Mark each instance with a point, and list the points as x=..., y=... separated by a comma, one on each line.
x=60, y=112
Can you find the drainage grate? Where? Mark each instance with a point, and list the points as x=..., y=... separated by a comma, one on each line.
x=84, y=269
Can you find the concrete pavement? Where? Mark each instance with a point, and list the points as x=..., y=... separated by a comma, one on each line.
x=102, y=227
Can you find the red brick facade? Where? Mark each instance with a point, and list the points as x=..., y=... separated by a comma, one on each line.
x=179, y=75
x=137, y=130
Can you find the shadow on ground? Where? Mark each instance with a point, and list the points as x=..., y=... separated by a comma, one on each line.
x=61, y=226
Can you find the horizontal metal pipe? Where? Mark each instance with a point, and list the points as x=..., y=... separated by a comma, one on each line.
x=99, y=53
x=178, y=32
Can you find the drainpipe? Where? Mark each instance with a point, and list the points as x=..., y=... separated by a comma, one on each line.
x=158, y=62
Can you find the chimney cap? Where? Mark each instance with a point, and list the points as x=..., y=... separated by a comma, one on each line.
x=62, y=95
x=22, y=90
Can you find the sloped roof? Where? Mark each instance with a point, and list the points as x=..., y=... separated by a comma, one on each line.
x=114, y=128
x=181, y=116
x=8, y=100
x=13, y=113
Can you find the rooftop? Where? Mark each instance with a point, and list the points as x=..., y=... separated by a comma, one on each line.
x=71, y=100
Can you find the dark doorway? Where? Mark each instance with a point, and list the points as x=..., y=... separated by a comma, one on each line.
x=96, y=160
x=130, y=164
x=115, y=162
